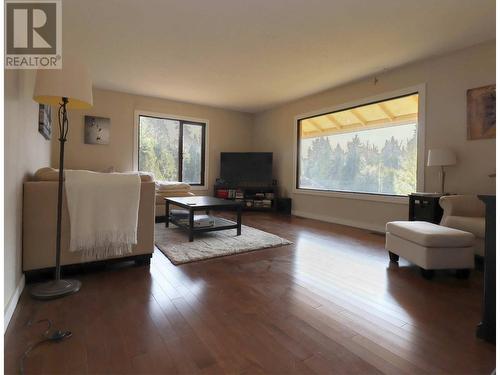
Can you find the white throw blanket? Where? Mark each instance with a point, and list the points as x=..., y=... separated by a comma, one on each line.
x=103, y=210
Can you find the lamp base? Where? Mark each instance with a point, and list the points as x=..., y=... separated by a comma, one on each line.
x=55, y=289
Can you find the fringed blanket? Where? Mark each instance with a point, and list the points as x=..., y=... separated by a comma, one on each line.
x=103, y=210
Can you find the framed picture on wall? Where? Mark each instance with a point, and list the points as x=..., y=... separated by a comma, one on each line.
x=481, y=112
x=45, y=120
x=97, y=130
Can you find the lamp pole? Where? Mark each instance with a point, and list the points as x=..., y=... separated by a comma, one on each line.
x=63, y=132
x=58, y=287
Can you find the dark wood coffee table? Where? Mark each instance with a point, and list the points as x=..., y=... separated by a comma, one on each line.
x=192, y=204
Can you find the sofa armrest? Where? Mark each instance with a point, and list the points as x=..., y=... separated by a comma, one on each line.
x=461, y=205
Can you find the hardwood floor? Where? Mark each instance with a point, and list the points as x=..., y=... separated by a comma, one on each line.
x=329, y=303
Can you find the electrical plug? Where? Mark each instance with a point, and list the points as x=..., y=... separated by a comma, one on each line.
x=59, y=335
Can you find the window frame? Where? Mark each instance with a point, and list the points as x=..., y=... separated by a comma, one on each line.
x=182, y=121
x=379, y=197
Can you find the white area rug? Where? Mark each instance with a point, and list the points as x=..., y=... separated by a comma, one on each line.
x=174, y=243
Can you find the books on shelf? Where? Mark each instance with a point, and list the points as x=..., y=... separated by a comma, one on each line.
x=202, y=221
x=229, y=193
x=250, y=197
x=258, y=203
x=222, y=193
x=179, y=214
x=199, y=220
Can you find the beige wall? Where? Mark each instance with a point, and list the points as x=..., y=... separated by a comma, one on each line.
x=447, y=78
x=25, y=151
x=227, y=131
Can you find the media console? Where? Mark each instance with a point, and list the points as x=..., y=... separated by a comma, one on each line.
x=254, y=198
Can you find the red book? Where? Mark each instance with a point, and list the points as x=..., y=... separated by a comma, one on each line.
x=221, y=193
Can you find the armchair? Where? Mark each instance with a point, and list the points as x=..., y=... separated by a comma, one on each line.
x=467, y=213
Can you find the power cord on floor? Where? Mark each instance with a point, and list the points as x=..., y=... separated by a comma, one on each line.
x=48, y=336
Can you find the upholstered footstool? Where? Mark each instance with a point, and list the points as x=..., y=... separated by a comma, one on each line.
x=430, y=246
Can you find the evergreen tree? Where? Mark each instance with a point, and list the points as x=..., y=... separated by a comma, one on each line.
x=405, y=178
x=158, y=151
x=353, y=165
x=369, y=175
x=390, y=157
x=338, y=160
x=391, y=153
x=318, y=164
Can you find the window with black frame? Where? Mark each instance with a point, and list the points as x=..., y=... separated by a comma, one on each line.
x=172, y=149
x=371, y=148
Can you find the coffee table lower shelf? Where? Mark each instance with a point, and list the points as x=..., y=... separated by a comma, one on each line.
x=219, y=224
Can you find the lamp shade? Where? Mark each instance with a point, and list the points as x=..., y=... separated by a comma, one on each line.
x=441, y=157
x=72, y=82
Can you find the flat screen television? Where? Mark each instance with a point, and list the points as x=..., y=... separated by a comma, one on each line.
x=246, y=168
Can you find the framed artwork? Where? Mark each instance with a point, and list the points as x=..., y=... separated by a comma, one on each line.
x=45, y=120
x=481, y=112
x=97, y=130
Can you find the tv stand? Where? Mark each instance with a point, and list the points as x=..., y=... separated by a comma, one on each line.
x=254, y=198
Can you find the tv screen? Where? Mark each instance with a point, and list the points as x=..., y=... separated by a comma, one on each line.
x=246, y=168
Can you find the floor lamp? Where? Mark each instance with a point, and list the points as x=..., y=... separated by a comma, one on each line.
x=67, y=88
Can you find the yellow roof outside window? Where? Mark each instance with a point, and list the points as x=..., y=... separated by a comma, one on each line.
x=391, y=112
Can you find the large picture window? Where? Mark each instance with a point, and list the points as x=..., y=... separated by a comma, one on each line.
x=370, y=148
x=172, y=149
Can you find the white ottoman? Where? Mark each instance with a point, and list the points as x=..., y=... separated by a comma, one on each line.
x=430, y=246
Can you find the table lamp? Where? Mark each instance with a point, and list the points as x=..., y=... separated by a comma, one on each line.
x=441, y=158
x=69, y=88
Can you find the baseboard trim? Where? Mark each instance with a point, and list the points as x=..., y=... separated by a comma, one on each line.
x=341, y=221
x=11, y=307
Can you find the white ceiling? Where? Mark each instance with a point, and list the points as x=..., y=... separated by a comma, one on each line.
x=251, y=55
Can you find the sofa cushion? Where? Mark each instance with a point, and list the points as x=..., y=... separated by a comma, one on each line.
x=474, y=225
x=429, y=234
x=47, y=174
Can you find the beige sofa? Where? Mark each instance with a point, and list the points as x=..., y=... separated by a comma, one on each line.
x=467, y=213
x=160, y=201
x=169, y=189
x=39, y=225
